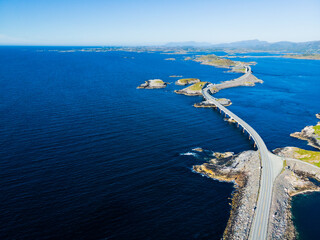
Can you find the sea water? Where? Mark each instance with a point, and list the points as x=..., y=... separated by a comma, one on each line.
x=86, y=155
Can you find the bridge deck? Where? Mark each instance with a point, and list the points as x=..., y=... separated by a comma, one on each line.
x=260, y=222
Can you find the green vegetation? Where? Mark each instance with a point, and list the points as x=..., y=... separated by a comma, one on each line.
x=186, y=81
x=158, y=81
x=197, y=86
x=240, y=70
x=312, y=157
x=284, y=165
x=317, y=129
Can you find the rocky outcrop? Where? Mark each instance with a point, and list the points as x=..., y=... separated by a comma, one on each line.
x=230, y=120
x=241, y=169
x=186, y=81
x=318, y=115
x=208, y=104
x=309, y=134
x=153, y=84
x=248, y=80
x=290, y=182
x=193, y=90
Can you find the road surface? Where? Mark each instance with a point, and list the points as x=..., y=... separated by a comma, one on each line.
x=271, y=167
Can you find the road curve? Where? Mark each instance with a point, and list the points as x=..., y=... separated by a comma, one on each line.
x=261, y=215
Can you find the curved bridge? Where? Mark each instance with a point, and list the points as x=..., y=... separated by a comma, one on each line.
x=269, y=170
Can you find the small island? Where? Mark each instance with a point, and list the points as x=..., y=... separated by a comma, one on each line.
x=153, y=84
x=207, y=104
x=187, y=81
x=193, y=90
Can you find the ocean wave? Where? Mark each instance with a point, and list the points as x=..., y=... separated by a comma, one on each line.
x=188, y=154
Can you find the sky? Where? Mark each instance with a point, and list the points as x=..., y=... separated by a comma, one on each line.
x=148, y=22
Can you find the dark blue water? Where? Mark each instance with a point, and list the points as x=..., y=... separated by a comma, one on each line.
x=85, y=155
x=306, y=214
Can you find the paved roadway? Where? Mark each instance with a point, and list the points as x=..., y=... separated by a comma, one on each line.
x=270, y=169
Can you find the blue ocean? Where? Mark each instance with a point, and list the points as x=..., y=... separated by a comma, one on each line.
x=86, y=155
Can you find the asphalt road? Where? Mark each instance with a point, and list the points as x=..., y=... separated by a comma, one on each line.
x=268, y=172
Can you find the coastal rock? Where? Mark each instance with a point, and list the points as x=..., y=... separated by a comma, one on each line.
x=186, y=81
x=312, y=157
x=208, y=104
x=193, y=90
x=230, y=120
x=153, y=84
x=240, y=169
x=311, y=134
x=293, y=180
x=224, y=101
x=246, y=80
x=204, y=104
x=197, y=149
x=318, y=115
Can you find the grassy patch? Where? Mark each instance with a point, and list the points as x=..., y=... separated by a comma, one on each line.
x=158, y=81
x=187, y=80
x=312, y=157
x=317, y=129
x=284, y=165
x=215, y=60
x=197, y=86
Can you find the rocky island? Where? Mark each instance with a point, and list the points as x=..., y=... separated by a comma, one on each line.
x=186, y=81
x=311, y=134
x=193, y=90
x=153, y=84
x=206, y=104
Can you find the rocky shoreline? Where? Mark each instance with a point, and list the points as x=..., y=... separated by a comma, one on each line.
x=240, y=169
x=243, y=171
x=310, y=134
x=186, y=81
x=193, y=90
x=296, y=178
x=206, y=104
x=248, y=81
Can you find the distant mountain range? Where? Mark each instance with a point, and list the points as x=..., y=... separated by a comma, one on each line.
x=311, y=47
